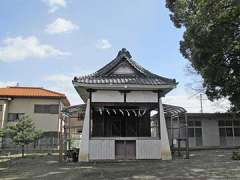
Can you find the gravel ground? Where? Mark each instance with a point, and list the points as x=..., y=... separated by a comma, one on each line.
x=206, y=164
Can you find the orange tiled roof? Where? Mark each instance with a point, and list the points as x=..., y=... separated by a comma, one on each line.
x=31, y=92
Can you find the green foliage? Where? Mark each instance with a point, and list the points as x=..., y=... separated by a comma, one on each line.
x=23, y=132
x=2, y=133
x=211, y=43
x=235, y=155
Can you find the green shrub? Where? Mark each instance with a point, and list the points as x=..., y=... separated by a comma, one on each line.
x=235, y=155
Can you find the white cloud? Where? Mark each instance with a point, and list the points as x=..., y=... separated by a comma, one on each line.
x=63, y=83
x=103, y=44
x=61, y=25
x=59, y=78
x=192, y=103
x=20, y=48
x=54, y=5
x=7, y=83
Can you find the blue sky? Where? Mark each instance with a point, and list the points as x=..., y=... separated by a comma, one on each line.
x=48, y=42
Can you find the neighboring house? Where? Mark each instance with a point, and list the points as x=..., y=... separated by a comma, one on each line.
x=120, y=100
x=41, y=105
x=210, y=130
x=73, y=125
x=204, y=130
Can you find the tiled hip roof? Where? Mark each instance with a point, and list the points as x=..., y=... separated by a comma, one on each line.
x=120, y=80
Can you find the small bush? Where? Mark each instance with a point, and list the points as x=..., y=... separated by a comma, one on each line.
x=72, y=154
x=236, y=155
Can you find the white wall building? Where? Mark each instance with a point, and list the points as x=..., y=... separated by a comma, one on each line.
x=41, y=105
x=120, y=100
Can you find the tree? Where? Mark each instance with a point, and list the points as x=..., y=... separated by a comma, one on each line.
x=23, y=132
x=2, y=133
x=211, y=43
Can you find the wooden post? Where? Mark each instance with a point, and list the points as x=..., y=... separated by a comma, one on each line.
x=172, y=135
x=179, y=144
x=165, y=146
x=187, y=139
x=84, y=145
x=69, y=132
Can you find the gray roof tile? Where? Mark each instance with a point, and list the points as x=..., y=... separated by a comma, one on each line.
x=142, y=76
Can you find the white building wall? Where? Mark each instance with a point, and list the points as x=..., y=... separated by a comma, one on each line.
x=148, y=149
x=102, y=150
x=192, y=142
x=46, y=122
x=132, y=96
x=107, y=96
x=210, y=133
x=142, y=96
x=236, y=141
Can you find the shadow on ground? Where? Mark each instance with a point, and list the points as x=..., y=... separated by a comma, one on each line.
x=210, y=164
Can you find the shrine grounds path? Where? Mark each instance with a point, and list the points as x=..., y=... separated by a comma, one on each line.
x=205, y=164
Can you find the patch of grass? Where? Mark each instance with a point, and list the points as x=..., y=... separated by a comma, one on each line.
x=6, y=158
x=236, y=155
x=3, y=164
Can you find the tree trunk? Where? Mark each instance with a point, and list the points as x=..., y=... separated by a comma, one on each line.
x=22, y=151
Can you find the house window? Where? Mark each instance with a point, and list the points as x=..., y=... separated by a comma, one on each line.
x=47, y=109
x=1, y=107
x=198, y=132
x=194, y=123
x=236, y=123
x=195, y=131
x=190, y=132
x=13, y=117
x=237, y=131
x=222, y=132
x=229, y=128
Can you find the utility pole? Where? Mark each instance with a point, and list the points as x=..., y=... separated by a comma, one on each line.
x=201, y=103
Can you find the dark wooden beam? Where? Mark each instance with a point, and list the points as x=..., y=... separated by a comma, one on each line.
x=149, y=105
x=124, y=91
x=91, y=90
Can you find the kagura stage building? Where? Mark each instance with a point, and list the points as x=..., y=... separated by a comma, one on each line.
x=121, y=99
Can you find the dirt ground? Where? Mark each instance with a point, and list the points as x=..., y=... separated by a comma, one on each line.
x=210, y=164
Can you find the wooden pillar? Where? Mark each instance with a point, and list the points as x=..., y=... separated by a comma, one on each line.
x=187, y=139
x=172, y=134
x=4, y=113
x=84, y=145
x=165, y=146
x=69, y=132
